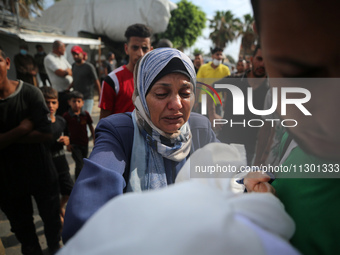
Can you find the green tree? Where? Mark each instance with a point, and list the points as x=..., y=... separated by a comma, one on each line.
x=198, y=51
x=225, y=27
x=185, y=25
x=248, y=35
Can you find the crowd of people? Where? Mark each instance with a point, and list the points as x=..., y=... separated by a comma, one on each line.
x=152, y=134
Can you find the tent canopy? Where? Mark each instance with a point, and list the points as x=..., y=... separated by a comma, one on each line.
x=32, y=36
x=107, y=17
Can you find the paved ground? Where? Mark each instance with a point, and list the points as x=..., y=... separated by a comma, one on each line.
x=9, y=241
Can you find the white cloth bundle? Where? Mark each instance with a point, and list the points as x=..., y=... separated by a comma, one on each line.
x=194, y=216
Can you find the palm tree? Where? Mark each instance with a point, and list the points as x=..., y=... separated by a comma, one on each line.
x=248, y=35
x=225, y=28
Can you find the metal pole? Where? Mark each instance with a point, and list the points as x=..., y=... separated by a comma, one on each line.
x=99, y=55
x=17, y=13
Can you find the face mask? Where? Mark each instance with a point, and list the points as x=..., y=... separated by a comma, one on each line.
x=23, y=52
x=216, y=62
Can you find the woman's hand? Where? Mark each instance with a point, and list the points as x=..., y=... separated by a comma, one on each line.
x=258, y=182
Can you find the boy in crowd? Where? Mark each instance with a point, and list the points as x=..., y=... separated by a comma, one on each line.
x=77, y=120
x=57, y=147
x=26, y=164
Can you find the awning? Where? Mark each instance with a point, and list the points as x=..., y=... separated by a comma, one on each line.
x=31, y=36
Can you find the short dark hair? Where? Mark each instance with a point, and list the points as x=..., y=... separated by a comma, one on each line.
x=197, y=54
x=3, y=54
x=109, y=54
x=38, y=46
x=137, y=30
x=164, y=43
x=23, y=46
x=75, y=94
x=258, y=47
x=49, y=93
x=216, y=49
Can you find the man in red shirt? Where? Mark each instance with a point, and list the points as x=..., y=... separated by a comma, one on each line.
x=118, y=86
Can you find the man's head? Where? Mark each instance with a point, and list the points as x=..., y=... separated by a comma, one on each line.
x=217, y=56
x=51, y=99
x=164, y=43
x=23, y=49
x=257, y=63
x=76, y=101
x=58, y=48
x=110, y=56
x=198, y=61
x=39, y=48
x=77, y=54
x=296, y=44
x=241, y=66
x=138, y=42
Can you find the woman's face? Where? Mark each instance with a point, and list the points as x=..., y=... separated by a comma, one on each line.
x=169, y=102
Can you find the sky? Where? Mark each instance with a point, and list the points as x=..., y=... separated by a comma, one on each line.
x=237, y=7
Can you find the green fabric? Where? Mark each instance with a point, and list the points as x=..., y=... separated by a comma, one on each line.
x=314, y=205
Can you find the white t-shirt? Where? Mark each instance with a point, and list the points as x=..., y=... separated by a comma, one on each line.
x=52, y=63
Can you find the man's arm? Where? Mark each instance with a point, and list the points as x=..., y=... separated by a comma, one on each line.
x=70, y=86
x=13, y=136
x=35, y=136
x=95, y=77
x=98, y=86
x=63, y=73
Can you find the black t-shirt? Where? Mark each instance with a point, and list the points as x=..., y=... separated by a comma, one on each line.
x=25, y=165
x=84, y=79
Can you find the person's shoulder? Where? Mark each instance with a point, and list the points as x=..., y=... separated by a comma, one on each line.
x=86, y=113
x=205, y=66
x=224, y=67
x=113, y=74
x=88, y=64
x=119, y=69
x=120, y=123
x=49, y=55
x=59, y=119
x=26, y=87
x=48, y=58
x=66, y=115
x=119, y=120
x=197, y=120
